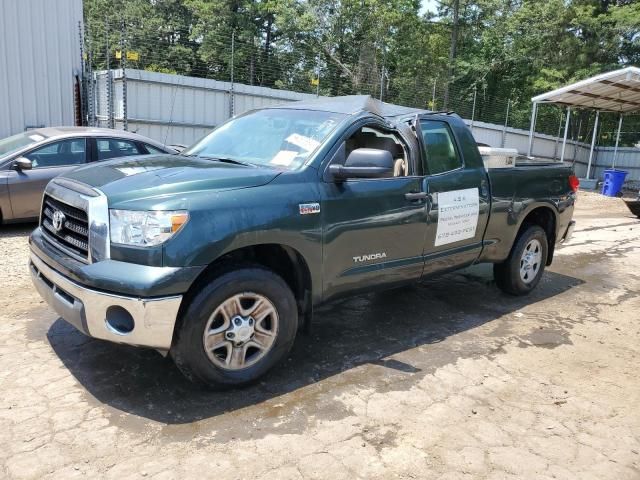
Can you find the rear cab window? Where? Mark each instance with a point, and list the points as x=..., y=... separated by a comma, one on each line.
x=439, y=148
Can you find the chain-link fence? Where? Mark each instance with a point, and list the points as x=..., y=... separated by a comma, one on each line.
x=299, y=68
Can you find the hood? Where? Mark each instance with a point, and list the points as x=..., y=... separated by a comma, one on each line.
x=132, y=178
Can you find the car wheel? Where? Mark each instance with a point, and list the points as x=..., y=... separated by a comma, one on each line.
x=236, y=328
x=522, y=270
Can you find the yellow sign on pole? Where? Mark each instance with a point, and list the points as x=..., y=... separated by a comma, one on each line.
x=135, y=56
x=315, y=82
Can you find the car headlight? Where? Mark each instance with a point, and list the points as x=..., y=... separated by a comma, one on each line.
x=145, y=228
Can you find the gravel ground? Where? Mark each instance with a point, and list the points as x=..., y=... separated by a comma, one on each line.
x=424, y=382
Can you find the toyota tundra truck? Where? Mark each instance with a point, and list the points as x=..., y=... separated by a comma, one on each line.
x=218, y=256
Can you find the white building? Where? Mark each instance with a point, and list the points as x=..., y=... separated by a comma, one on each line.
x=40, y=63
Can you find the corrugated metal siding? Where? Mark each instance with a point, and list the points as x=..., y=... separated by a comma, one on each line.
x=39, y=54
x=628, y=158
x=179, y=109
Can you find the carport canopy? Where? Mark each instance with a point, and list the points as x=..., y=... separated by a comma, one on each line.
x=617, y=91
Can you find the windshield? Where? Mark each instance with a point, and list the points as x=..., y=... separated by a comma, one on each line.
x=273, y=137
x=16, y=142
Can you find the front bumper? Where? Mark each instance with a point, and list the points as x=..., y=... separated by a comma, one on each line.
x=99, y=314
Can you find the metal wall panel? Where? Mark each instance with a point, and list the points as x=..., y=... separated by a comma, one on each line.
x=628, y=159
x=179, y=109
x=176, y=109
x=39, y=56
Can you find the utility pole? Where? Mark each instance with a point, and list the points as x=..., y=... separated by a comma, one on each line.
x=452, y=51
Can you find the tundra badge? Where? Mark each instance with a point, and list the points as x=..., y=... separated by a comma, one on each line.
x=309, y=208
x=371, y=256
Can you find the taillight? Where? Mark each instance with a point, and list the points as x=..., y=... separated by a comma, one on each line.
x=574, y=183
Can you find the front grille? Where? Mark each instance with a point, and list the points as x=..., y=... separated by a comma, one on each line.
x=73, y=236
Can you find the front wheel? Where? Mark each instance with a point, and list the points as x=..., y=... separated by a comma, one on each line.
x=236, y=328
x=522, y=270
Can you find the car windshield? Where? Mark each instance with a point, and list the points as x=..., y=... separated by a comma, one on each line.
x=275, y=137
x=16, y=142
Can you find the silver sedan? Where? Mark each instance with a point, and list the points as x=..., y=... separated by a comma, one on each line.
x=30, y=159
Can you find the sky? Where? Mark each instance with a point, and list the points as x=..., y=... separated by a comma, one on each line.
x=428, y=5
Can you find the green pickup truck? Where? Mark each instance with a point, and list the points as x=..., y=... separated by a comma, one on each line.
x=219, y=255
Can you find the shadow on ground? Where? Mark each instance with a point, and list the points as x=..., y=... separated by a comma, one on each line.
x=360, y=330
x=17, y=230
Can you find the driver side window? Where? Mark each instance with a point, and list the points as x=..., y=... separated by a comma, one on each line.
x=372, y=137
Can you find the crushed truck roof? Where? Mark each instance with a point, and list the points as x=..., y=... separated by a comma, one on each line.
x=351, y=105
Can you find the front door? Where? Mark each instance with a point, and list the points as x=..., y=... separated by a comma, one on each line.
x=458, y=193
x=373, y=229
x=49, y=161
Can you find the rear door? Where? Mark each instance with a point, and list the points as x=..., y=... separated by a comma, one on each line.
x=49, y=161
x=458, y=191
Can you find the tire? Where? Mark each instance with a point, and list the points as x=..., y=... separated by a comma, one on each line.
x=223, y=308
x=508, y=274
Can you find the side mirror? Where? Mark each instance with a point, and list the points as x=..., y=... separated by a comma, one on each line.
x=22, y=163
x=364, y=163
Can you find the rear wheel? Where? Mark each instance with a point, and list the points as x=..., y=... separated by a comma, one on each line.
x=236, y=328
x=522, y=270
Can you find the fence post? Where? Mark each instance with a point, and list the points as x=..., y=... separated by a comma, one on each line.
x=318, y=76
x=433, y=98
x=566, y=132
x=109, y=86
x=83, y=81
x=506, y=121
x=532, y=128
x=615, y=150
x=231, y=92
x=123, y=65
x=473, y=109
x=555, y=148
x=593, y=143
x=91, y=93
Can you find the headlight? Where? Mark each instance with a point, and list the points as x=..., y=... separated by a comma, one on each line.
x=145, y=229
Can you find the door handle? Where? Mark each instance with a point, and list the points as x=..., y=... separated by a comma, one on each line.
x=415, y=196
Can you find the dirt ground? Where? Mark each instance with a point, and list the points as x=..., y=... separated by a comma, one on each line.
x=448, y=379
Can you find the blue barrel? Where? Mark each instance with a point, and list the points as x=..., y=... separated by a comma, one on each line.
x=613, y=180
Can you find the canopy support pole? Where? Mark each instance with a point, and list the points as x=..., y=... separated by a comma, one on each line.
x=566, y=132
x=532, y=128
x=615, y=150
x=593, y=143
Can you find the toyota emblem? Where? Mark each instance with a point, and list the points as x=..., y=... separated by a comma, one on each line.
x=58, y=220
